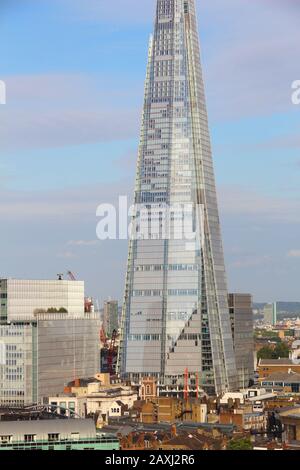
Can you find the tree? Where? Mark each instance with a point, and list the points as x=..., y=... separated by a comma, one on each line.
x=240, y=444
x=266, y=353
x=281, y=350
x=62, y=310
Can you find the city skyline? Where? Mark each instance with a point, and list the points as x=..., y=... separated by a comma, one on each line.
x=52, y=179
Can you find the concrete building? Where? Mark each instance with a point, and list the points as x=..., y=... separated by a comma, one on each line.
x=54, y=434
x=241, y=315
x=46, y=339
x=270, y=314
x=94, y=397
x=110, y=317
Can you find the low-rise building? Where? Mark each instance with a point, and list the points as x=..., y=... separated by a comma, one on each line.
x=284, y=382
x=54, y=434
x=267, y=367
x=244, y=419
x=169, y=410
x=94, y=397
x=290, y=419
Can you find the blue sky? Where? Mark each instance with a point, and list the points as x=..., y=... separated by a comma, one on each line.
x=75, y=72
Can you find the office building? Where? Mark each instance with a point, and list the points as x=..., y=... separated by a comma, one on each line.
x=110, y=317
x=241, y=314
x=175, y=317
x=270, y=314
x=24, y=299
x=41, y=352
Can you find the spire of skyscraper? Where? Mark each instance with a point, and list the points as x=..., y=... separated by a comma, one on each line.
x=175, y=313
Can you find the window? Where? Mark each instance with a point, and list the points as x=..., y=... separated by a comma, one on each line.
x=5, y=438
x=30, y=437
x=53, y=437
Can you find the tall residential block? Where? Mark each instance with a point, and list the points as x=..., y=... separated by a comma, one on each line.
x=241, y=314
x=175, y=321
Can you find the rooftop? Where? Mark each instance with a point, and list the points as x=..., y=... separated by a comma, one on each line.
x=276, y=362
x=290, y=377
x=83, y=427
x=293, y=412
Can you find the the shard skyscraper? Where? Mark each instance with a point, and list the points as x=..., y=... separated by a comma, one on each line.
x=175, y=322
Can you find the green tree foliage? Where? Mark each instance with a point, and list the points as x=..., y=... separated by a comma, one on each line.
x=240, y=444
x=266, y=353
x=281, y=351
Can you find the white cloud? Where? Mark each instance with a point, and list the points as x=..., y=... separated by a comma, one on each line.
x=294, y=254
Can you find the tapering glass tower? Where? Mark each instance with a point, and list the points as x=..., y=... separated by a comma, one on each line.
x=175, y=322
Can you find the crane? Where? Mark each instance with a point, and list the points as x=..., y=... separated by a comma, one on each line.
x=111, y=351
x=71, y=276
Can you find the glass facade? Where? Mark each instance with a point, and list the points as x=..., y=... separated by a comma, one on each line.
x=24, y=299
x=17, y=364
x=175, y=312
x=241, y=314
x=39, y=358
x=67, y=349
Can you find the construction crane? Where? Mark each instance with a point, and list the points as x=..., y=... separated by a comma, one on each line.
x=71, y=276
x=111, y=351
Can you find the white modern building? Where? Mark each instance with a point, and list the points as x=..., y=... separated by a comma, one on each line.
x=25, y=299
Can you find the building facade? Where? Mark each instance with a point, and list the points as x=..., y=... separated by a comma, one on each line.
x=41, y=357
x=270, y=314
x=24, y=299
x=54, y=434
x=175, y=312
x=266, y=367
x=42, y=350
x=110, y=317
x=95, y=398
x=241, y=314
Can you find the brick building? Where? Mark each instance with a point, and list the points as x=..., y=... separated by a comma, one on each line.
x=267, y=367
